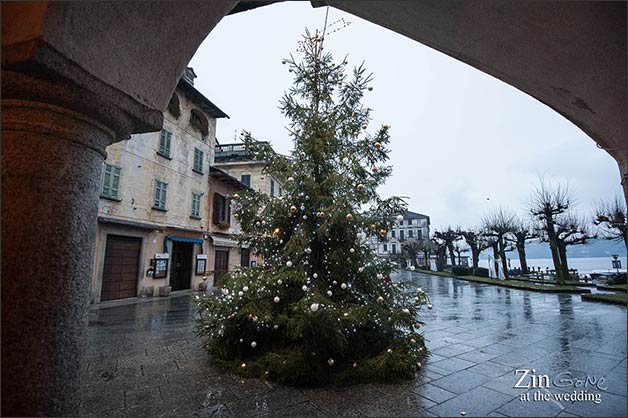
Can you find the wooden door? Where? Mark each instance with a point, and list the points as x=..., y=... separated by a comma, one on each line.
x=221, y=265
x=120, y=272
x=181, y=265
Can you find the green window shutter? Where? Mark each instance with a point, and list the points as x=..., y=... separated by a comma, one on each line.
x=106, y=180
x=164, y=187
x=165, y=138
x=159, y=199
x=198, y=160
x=115, y=182
x=196, y=205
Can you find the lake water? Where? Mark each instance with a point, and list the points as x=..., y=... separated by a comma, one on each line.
x=583, y=265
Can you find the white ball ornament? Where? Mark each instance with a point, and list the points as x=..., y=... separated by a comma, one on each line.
x=406, y=311
x=241, y=340
x=360, y=269
x=389, y=350
x=276, y=299
x=245, y=288
x=345, y=160
x=290, y=179
x=329, y=293
x=279, y=281
x=412, y=268
x=288, y=263
x=412, y=340
x=275, y=326
x=253, y=344
x=335, y=282
x=240, y=293
x=330, y=361
x=343, y=286
x=352, y=250
x=314, y=307
x=380, y=299
x=399, y=218
x=429, y=306
x=304, y=288
x=380, y=276
x=315, y=275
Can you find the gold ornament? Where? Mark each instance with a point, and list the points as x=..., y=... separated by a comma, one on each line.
x=243, y=365
x=373, y=226
x=386, y=126
x=382, y=232
x=380, y=299
x=276, y=231
x=293, y=208
x=349, y=217
x=360, y=187
x=236, y=196
x=377, y=145
x=429, y=306
x=364, y=126
x=375, y=170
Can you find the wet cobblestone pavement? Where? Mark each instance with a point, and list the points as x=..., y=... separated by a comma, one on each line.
x=143, y=359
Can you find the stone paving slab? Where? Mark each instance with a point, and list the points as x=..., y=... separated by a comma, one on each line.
x=143, y=359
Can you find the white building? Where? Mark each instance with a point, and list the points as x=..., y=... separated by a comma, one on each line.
x=413, y=227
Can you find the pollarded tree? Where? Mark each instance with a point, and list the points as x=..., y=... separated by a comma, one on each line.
x=318, y=311
x=611, y=219
x=546, y=204
x=477, y=243
x=500, y=224
x=440, y=250
x=449, y=236
x=570, y=230
x=522, y=233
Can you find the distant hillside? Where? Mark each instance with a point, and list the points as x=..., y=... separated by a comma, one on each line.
x=595, y=248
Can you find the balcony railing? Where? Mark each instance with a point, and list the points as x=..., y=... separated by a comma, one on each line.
x=232, y=152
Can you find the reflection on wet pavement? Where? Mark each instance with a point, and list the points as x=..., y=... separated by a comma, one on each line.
x=144, y=360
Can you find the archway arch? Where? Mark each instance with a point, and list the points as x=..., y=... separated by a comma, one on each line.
x=77, y=76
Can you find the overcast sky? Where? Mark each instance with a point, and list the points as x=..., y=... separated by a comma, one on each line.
x=463, y=143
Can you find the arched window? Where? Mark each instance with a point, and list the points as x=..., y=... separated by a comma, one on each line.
x=174, y=107
x=199, y=122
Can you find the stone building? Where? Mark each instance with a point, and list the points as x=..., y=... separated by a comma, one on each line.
x=163, y=214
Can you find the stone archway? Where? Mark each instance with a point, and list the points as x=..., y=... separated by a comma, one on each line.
x=77, y=76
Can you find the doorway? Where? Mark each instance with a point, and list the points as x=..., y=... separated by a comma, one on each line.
x=221, y=265
x=119, y=279
x=181, y=265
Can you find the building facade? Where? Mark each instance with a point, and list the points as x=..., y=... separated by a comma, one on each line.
x=163, y=219
x=234, y=159
x=413, y=227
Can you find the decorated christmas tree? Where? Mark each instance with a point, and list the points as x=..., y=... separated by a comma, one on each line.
x=319, y=309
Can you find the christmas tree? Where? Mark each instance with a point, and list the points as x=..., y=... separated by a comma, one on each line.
x=318, y=310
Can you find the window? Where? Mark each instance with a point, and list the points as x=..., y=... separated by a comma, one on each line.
x=272, y=188
x=385, y=247
x=165, y=137
x=196, y=206
x=401, y=237
x=394, y=233
x=394, y=248
x=110, y=182
x=246, y=179
x=245, y=257
x=159, y=199
x=410, y=233
x=419, y=234
x=280, y=191
x=198, y=161
x=221, y=213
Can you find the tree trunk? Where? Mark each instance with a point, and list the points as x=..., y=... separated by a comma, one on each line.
x=475, y=256
x=553, y=242
x=452, y=255
x=502, y=254
x=562, y=252
x=495, y=258
x=521, y=250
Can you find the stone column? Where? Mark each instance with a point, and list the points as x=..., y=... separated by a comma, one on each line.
x=51, y=168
